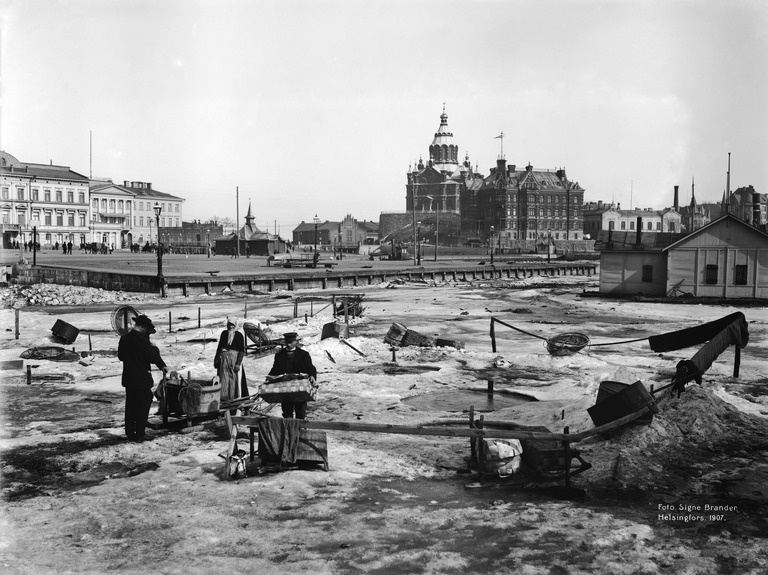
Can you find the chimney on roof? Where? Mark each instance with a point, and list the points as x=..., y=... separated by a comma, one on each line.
x=599, y=204
x=677, y=203
x=501, y=165
x=149, y=185
x=638, y=241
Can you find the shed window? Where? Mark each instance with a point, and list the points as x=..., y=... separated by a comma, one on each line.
x=648, y=273
x=740, y=275
x=710, y=274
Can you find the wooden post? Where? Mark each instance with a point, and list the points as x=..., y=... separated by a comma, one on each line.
x=346, y=309
x=170, y=326
x=305, y=317
x=333, y=304
x=90, y=347
x=295, y=308
x=394, y=358
x=490, y=389
x=493, y=335
x=737, y=362
x=567, y=446
x=472, y=453
x=29, y=374
x=480, y=425
x=312, y=308
x=198, y=317
x=245, y=308
x=562, y=414
x=164, y=406
x=17, y=322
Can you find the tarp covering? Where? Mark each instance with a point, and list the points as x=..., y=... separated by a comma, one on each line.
x=735, y=323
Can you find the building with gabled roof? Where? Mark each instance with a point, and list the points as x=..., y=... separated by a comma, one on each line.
x=250, y=240
x=726, y=258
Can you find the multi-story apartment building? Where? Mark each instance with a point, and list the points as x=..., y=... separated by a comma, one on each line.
x=51, y=198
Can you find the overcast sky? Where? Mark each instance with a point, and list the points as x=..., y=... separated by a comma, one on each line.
x=319, y=106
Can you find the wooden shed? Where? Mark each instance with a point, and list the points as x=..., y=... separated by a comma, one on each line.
x=634, y=262
x=725, y=258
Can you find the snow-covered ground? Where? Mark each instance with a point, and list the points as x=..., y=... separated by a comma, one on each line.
x=77, y=498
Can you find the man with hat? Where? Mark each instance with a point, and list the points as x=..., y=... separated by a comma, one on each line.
x=137, y=354
x=292, y=359
x=228, y=360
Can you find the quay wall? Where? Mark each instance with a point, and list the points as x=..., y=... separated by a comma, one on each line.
x=310, y=279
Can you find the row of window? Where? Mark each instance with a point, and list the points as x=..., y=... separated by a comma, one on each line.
x=711, y=274
x=58, y=195
x=649, y=225
x=169, y=207
x=163, y=221
x=71, y=217
x=49, y=219
x=547, y=199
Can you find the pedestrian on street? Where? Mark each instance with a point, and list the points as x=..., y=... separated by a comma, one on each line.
x=137, y=354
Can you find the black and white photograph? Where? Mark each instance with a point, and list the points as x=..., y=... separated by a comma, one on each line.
x=384, y=287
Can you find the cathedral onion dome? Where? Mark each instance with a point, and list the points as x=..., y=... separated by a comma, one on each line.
x=442, y=150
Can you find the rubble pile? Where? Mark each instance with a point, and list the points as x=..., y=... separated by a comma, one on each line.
x=55, y=294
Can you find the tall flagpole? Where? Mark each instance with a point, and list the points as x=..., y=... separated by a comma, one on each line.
x=237, y=221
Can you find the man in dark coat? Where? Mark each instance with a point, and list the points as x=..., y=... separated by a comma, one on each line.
x=291, y=359
x=137, y=354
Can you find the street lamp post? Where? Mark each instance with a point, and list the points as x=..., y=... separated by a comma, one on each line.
x=549, y=242
x=437, y=224
x=208, y=242
x=418, y=243
x=315, y=256
x=413, y=210
x=491, y=242
x=158, y=208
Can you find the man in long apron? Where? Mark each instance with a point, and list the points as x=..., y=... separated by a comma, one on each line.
x=229, y=360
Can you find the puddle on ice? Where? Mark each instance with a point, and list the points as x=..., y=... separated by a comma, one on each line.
x=462, y=399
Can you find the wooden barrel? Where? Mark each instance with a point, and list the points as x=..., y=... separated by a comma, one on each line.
x=64, y=332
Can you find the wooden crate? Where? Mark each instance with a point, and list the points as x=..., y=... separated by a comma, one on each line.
x=313, y=447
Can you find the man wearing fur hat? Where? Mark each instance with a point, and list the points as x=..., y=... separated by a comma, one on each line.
x=137, y=354
x=293, y=360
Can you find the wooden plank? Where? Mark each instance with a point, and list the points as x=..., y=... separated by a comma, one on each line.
x=252, y=421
